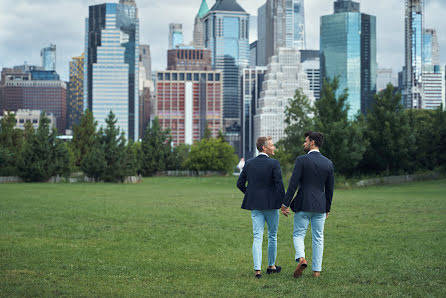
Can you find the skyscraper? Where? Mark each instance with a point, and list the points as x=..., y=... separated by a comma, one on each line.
x=48, y=55
x=175, y=35
x=261, y=36
x=283, y=22
x=311, y=65
x=348, y=50
x=251, y=81
x=111, y=64
x=227, y=36
x=433, y=79
x=199, y=25
x=414, y=29
x=187, y=101
x=185, y=59
x=75, y=92
x=284, y=75
x=146, y=60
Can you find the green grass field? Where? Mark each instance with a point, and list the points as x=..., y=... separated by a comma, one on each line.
x=189, y=237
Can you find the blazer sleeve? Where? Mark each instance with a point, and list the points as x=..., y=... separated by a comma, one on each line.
x=329, y=187
x=241, y=182
x=277, y=176
x=294, y=182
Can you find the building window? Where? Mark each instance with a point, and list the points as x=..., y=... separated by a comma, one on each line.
x=189, y=77
x=34, y=120
x=160, y=76
x=167, y=76
x=196, y=77
x=181, y=76
x=217, y=77
x=210, y=77
x=175, y=77
x=21, y=120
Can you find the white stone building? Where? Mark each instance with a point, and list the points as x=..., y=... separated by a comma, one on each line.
x=284, y=76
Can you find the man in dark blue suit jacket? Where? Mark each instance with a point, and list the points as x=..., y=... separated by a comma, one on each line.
x=313, y=174
x=263, y=197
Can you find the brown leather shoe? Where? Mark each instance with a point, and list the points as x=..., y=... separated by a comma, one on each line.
x=316, y=274
x=300, y=268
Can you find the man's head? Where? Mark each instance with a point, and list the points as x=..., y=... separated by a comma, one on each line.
x=313, y=140
x=265, y=145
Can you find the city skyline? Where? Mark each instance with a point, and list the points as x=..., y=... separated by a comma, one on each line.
x=66, y=28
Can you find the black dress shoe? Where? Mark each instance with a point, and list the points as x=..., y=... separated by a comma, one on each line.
x=258, y=276
x=277, y=270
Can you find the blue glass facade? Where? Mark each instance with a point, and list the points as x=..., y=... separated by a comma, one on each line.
x=348, y=50
x=227, y=36
x=44, y=75
x=48, y=56
x=111, y=65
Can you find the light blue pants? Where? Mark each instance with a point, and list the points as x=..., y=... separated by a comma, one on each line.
x=301, y=221
x=258, y=225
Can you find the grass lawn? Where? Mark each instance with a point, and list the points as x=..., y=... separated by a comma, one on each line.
x=189, y=237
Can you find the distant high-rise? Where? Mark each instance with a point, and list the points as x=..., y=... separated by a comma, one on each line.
x=175, y=35
x=19, y=91
x=414, y=29
x=251, y=82
x=384, y=76
x=199, y=25
x=311, y=65
x=285, y=74
x=348, y=50
x=111, y=64
x=261, y=36
x=184, y=59
x=227, y=36
x=283, y=23
x=433, y=76
x=187, y=101
x=145, y=60
x=75, y=92
x=48, y=55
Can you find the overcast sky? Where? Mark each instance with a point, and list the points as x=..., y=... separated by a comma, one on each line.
x=26, y=26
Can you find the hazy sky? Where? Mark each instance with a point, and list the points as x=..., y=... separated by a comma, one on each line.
x=26, y=26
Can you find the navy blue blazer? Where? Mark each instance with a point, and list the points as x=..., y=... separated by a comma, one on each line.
x=313, y=174
x=265, y=189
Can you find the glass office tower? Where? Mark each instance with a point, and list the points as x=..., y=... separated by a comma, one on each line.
x=175, y=35
x=348, y=50
x=48, y=56
x=111, y=64
x=412, y=90
x=227, y=36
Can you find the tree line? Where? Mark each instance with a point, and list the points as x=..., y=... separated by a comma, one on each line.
x=104, y=154
x=388, y=140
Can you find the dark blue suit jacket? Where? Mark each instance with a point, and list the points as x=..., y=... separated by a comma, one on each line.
x=314, y=175
x=265, y=186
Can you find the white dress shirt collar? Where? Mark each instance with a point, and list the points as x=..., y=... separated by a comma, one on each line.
x=314, y=150
x=263, y=153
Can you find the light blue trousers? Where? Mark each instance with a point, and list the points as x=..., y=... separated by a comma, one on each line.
x=301, y=221
x=258, y=225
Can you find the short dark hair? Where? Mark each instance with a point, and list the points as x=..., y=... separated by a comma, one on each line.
x=317, y=137
x=262, y=142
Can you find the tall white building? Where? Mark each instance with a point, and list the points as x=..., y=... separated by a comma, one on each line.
x=434, y=88
x=284, y=75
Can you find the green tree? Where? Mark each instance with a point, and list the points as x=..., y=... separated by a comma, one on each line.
x=156, y=149
x=299, y=118
x=344, y=142
x=179, y=156
x=390, y=136
x=36, y=163
x=211, y=155
x=11, y=145
x=84, y=137
x=119, y=163
x=93, y=164
x=207, y=132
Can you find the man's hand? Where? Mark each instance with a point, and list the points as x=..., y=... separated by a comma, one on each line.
x=326, y=216
x=285, y=210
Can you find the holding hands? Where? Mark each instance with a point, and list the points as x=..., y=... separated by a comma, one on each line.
x=285, y=210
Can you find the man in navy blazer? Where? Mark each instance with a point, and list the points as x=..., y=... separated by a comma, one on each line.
x=263, y=196
x=313, y=174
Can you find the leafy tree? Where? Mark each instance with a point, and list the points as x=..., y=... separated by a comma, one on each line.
x=207, y=132
x=440, y=141
x=84, y=136
x=93, y=164
x=211, y=155
x=118, y=163
x=179, y=157
x=344, y=141
x=36, y=162
x=299, y=118
x=389, y=133
x=155, y=149
x=11, y=145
